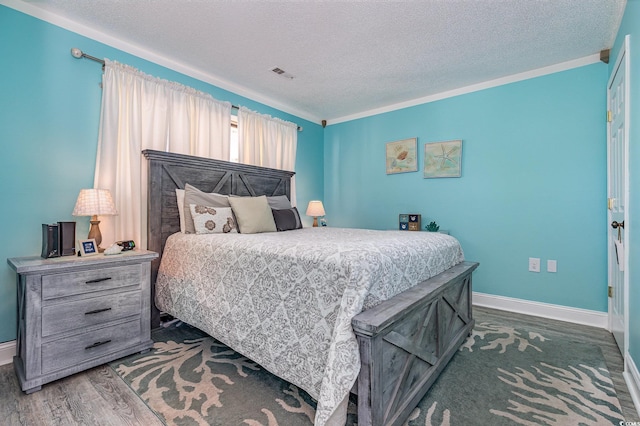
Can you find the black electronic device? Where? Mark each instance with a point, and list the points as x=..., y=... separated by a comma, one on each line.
x=67, y=238
x=58, y=239
x=126, y=245
x=50, y=246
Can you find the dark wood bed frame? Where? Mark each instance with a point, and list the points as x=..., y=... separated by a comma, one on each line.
x=405, y=342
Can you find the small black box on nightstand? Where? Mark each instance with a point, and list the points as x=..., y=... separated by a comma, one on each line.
x=50, y=241
x=67, y=238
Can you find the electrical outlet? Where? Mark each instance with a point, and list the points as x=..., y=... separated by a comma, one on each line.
x=552, y=266
x=534, y=264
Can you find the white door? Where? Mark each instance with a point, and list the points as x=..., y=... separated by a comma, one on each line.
x=618, y=184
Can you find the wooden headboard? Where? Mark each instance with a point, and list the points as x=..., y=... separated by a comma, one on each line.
x=168, y=172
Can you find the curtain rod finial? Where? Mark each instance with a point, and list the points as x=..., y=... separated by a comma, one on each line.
x=76, y=53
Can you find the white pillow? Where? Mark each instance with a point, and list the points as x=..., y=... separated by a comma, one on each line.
x=180, y=200
x=253, y=214
x=212, y=220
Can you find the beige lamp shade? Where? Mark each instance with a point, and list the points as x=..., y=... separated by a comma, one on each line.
x=94, y=202
x=315, y=209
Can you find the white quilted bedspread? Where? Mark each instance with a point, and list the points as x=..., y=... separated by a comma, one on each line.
x=286, y=299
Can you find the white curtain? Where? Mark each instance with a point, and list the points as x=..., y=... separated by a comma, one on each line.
x=267, y=141
x=143, y=112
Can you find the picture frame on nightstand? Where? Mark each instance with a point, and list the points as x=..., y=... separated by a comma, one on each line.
x=88, y=247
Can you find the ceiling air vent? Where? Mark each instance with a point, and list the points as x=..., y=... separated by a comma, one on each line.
x=282, y=73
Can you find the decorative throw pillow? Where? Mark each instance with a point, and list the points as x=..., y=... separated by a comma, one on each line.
x=286, y=219
x=212, y=220
x=193, y=195
x=253, y=214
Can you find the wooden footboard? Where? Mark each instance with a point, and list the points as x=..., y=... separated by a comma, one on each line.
x=406, y=342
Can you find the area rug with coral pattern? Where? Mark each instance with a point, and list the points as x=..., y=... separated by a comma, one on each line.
x=500, y=376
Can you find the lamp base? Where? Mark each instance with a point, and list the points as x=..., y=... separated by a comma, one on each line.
x=94, y=232
x=315, y=221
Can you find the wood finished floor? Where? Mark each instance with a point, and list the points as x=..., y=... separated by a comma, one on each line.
x=598, y=336
x=99, y=397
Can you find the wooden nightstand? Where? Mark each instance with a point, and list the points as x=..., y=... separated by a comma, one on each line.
x=75, y=313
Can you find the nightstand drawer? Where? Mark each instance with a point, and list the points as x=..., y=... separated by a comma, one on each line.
x=76, y=349
x=81, y=282
x=83, y=313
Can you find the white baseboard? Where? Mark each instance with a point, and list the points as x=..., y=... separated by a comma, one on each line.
x=632, y=378
x=7, y=352
x=544, y=310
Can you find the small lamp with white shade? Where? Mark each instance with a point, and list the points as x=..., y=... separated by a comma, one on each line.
x=315, y=209
x=94, y=203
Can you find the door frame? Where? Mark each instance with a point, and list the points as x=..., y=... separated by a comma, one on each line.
x=623, y=55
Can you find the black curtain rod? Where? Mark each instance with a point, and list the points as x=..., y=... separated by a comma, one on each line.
x=300, y=128
x=77, y=53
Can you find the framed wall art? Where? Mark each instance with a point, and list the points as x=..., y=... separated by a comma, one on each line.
x=443, y=159
x=402, y=156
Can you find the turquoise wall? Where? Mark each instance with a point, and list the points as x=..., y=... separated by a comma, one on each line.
x=49, y=114
x=532, y=185
x=631, y=25
x=533, y=182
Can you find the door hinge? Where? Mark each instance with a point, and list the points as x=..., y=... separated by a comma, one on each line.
x=610, y=291
x=608, y=116
x=611, y=202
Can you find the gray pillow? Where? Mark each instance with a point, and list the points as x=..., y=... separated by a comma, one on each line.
x=279, y=202
x=253, y=214
x=193, y=195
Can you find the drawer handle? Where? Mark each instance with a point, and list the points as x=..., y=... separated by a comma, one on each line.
x=97, y=311
x=99, y=280
x=96, y=344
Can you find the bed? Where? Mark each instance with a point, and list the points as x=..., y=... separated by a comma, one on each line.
x=363, y=315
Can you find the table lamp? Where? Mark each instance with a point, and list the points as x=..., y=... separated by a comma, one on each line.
x=315, y=209
x=94, y=202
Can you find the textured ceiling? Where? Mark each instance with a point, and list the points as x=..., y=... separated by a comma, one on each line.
x=349, y=57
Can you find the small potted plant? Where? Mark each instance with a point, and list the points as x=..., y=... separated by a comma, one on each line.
x=432, y=227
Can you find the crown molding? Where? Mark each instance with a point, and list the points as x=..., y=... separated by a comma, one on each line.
x=563, y=66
